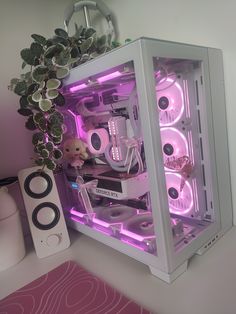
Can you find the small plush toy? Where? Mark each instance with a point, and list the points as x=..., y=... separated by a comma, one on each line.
x=74, y=151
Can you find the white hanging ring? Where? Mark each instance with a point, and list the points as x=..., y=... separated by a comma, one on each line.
x=94, y=5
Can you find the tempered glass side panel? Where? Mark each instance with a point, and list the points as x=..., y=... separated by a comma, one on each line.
x=109, y=189
x=181, y=106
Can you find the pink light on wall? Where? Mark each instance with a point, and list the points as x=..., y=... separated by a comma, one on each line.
x=78, y=87
x=109, y=77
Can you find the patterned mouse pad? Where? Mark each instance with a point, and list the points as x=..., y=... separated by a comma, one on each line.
x=68, y=289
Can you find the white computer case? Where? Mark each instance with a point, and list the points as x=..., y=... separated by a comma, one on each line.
x=187, y=208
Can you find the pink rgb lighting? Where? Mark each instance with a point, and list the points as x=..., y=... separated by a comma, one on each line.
x=182, y=202
x=125, y=232
x=109, y=77
x=76, y=213
x=135, y=236
x=171, y=92
x=78, y=87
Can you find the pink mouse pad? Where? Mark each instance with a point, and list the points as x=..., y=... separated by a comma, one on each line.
x=68, y=289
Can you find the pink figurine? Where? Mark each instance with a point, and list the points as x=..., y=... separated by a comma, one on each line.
x=74, y=151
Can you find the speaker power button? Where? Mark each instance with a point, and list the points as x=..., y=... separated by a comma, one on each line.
x=53, y=240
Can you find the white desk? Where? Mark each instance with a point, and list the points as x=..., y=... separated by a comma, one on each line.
x=208, y=286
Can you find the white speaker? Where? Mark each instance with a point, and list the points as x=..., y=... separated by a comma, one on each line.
x=44, y=211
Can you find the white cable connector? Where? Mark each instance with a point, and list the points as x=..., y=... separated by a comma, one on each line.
x=133, y=145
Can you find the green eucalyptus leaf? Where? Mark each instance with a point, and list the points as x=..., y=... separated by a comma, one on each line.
x=89, y=32
x=62, y=72
x=45, y=153
x=52, y=74
x=61, y=32
x=53, y=84
x=60, y=100
x=83, y=32
x=49, y=146
x=45, y=104
x=56, y=118
x=115, y=44
x=20, y=88
x=39, y=73
x=74, y=52
x=37, y=138
x=84, y=47
x=51, y=165
x=57, y=140
x=42, y=85
x=94, y=54
x=36, y=49
x=14, y=81
x=30, y=100
x=27, y=56
x=49, y=42
x=39, y=161
x=30, y=125
x=50, y=52
x=52, y=94
x=37, y=96
x=57, y=154
x=39, y=39
x=24, y=102
x=48, y=62
x=25, y=112
x=62, y=58
x=61, y=40
x=39, y=147
x=56, y=130
x=54, y=50
x=42, y=124
x=37, y=117
x=32, y=88
x=85, y=57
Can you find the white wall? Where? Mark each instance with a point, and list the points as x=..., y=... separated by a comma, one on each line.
x=204, y=22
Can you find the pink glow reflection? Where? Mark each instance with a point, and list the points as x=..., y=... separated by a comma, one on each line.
x=109, y=77
x=76, y=220
x=78, y=87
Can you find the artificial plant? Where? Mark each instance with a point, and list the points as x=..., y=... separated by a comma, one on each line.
x=40, y=88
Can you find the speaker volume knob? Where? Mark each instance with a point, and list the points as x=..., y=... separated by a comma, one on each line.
x=53, y=240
